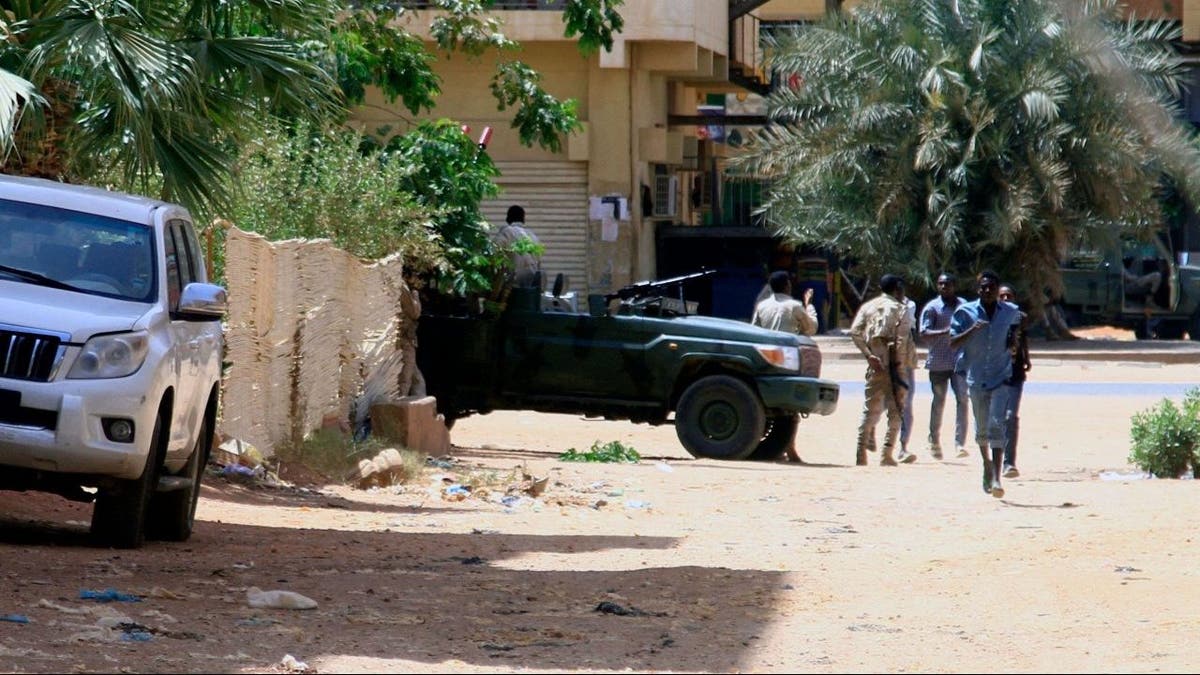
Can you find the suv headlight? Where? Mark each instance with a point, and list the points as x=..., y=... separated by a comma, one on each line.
x=787, y=358
x=107, y=356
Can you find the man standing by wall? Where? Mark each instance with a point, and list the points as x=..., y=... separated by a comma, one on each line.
x=881, y=333
x=780, y=311
x=982, y=329
x=940, y=361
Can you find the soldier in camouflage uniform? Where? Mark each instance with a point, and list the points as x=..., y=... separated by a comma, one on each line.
x=882, y=331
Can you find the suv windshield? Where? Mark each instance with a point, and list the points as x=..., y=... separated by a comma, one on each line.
x=89, y=253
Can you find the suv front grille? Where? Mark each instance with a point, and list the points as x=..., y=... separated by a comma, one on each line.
x=27, y=356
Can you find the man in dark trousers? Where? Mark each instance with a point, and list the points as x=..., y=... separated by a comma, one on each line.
x=940, y=362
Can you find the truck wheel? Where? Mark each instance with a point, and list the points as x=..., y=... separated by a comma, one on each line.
x=719, y=417
x=119, y=516
x=781, y=429
x=173, y=514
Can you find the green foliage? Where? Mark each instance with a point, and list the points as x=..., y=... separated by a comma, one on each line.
x=611, y=452
x=1166, y=438
x=164, y=89
x=368, y=49
x=594, y=21
x=917, y=136
x=465, y=27
x=304, y=183
x=447, y=173
x=539, y=116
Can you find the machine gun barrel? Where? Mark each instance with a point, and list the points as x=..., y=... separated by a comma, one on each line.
x=645, y=288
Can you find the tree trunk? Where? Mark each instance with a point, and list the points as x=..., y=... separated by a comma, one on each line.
x=1056, y=324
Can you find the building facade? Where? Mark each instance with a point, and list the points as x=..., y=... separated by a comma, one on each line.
x=646, y=161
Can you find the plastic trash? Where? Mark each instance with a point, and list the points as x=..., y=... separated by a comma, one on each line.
x=238, y=470
x=664, y=467
x=259, y=598
x=290, y=664
x=108, y=595
x=637, y=504
x=14, y=618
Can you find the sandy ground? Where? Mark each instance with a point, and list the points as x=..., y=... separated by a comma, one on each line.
x=719, y=567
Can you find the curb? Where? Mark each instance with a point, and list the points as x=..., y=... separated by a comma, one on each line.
x=838, y=347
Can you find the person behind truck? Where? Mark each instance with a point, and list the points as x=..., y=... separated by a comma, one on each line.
x=1140, y=287
x=525, y=265
x=780, y=311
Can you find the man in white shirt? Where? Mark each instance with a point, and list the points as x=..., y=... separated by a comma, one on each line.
x=525, y=266
x=780, y=311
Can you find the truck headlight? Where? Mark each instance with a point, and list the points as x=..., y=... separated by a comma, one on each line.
x=787, y=358
x=108, y=356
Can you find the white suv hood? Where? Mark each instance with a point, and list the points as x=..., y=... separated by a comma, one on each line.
x=66, y=312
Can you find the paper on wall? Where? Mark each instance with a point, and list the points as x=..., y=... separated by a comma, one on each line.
x=608, y=227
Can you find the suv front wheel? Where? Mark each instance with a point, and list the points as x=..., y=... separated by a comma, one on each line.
x=173, y=513
x=119, y=516
x=719, y=417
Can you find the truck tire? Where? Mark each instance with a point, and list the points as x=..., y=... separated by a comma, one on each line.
x=781, y=429
x=173, y=514
x=119, y=516
x=719, y=417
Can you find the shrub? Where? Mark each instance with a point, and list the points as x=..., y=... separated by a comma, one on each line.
x=335, y=456
x=1166, y=438
x=613, y=451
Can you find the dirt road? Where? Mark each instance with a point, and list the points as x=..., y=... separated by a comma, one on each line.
x=701, y=565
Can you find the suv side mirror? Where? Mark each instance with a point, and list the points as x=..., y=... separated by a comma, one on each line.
x=203, y=300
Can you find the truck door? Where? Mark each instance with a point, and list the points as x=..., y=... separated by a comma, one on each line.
x=569, y=355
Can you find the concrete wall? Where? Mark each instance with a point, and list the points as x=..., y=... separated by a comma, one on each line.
x=312, y=335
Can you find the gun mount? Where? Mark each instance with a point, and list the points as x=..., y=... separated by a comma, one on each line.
x=664, y=296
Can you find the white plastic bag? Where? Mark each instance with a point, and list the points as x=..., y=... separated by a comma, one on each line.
x=257, y=597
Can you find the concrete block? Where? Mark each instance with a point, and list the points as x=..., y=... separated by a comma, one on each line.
x=414, y=423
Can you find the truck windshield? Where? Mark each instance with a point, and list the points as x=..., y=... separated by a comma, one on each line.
x=86, y=252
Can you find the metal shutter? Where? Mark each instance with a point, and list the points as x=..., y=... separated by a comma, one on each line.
x=554, y=195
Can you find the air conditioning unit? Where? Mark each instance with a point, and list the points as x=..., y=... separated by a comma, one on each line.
x=666, y=189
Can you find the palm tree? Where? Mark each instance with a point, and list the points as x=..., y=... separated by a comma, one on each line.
x=163, y=90
x=921, y=135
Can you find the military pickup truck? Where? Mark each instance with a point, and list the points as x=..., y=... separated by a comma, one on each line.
x=1102, y=286
x=732, y=390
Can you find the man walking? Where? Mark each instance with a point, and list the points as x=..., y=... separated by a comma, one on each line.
x=780, y=311
x=940, y=361
x=882, y=334
x=982, y=329
x=1019, y=346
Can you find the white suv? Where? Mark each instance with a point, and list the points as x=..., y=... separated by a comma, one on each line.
x=110, y=355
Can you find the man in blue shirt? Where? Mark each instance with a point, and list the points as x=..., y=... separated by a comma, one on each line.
x=981, y=329
x=940, y=362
